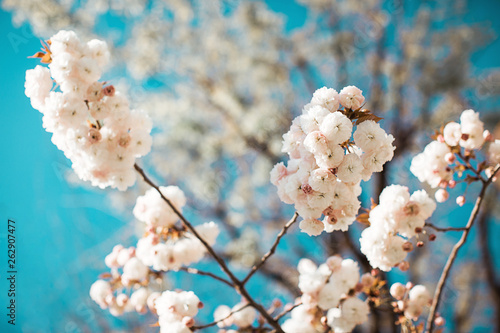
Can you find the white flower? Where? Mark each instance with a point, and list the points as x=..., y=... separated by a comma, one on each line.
x=472, y=128
x=336, y=127
x=351, y=97
x=369, y=135
x=100, y=291
x=350, y=169
x=37, y=86
x=327, y=98
x=312, y=227
x=452, y=133
x=494, y=152
x=243, y=318
x=135, y=270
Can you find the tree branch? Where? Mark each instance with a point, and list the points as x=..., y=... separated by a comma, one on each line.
x=454, y=251
x=220, y=320
x=196, y=271
x=282, y=233
x=238, y=286
x=430, y=225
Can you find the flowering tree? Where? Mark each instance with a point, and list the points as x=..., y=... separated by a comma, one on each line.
x=333, y=146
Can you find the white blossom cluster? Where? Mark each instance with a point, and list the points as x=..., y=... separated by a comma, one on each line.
x=164, y=247
x=160, y=248
x=398, y=217
x=331, y=287
x=176, y=311
x=242, y=316
x=325, y=168
x=440, y=159
x=90, y=122
x=411, y=300
x=126, y=291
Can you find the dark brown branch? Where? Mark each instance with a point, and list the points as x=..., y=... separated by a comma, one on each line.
x=486, y=257
x=430, y=225
x=282, y=233
x=196, y=271
x=238, y=286
x=220, y=320
x=454, y=251
x=285, y=312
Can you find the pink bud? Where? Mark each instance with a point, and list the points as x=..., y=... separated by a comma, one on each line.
x=188, y=321
x=398, y=291
x=461, y=200
x=409, y=285
x=487, y=136
x=441, y=195
x=440, y=138
x=404, y=266
x=452, y=184
x=450, y=158
x=439, y=321
x=307, y=189
x=407, y=247
x=121, y=299
x=94, y=135
x=109, y=90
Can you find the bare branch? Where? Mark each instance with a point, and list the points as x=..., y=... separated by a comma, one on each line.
x=454, y=251
x=272, y=250
x=196, y=271
x=430, y=225
x=238, y=286
x=285, y=312
x=220, y=320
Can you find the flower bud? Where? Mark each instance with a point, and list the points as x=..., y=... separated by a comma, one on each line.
x=407, y=247
x=404, y=266
x=487, y=136
x=441, y=195
x=450, y=158
x=432, y=237
x=398, y=291
x=461, y=200
x=439, y=321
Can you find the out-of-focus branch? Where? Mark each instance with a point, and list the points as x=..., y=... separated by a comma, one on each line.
x=454, y=251
x=486, y=256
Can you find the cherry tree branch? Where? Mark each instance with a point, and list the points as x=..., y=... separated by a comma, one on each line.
x=454, y=251
x=238, y=286
x=220, y=320
x=196, y=271
x=282, y=233
x=430, y=225
x=288, y=310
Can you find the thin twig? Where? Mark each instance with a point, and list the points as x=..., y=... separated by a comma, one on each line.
x=454, y=251
x=285, y=312
x=238, y=286
x=196, y=271
x=282, y=233
x=430, y=225
x=220, y=320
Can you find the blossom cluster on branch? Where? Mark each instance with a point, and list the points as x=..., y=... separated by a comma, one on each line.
x=398, y=218
x=326, y=166
x=90, y=122
x=454, y=153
